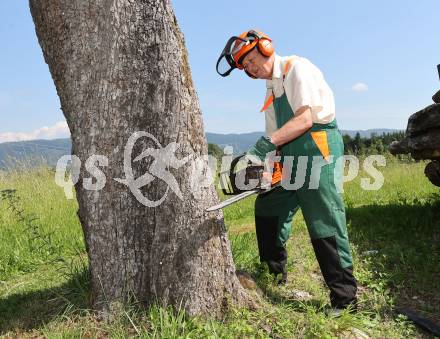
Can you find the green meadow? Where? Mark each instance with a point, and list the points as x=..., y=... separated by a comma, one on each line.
x=395, y=239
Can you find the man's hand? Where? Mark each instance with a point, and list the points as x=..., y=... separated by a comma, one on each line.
x=295, y=127
x=273, y=176
x=261, y=148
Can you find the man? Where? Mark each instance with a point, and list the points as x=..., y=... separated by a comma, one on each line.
x=300, y=123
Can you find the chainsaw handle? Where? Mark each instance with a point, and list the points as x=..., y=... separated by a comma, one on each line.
x=277, y=173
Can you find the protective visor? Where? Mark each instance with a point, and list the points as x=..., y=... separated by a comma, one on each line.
x=226, y=63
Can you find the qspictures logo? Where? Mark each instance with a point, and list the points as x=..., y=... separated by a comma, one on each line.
x=203, y=168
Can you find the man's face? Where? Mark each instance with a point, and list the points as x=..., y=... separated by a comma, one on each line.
x=258, y=65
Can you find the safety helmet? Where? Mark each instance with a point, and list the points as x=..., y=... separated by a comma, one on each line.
x=237, y=48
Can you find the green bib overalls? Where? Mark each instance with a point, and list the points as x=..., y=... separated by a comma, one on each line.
x=322, y=207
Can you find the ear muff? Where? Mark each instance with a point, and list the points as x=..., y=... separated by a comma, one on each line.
x=264, y=43
x=265, y=47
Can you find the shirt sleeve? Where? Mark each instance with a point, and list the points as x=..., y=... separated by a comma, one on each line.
x=303, y=86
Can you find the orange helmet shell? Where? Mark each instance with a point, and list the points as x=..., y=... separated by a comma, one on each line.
x=254, y=38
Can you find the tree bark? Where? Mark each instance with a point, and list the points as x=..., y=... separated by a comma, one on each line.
x=120, y=66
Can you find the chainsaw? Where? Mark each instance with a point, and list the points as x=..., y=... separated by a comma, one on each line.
x=242, y=169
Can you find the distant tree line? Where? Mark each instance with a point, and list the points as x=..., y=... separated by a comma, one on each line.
x=375, y=144
x=357, y=145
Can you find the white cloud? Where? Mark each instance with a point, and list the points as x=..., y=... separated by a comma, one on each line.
x=59, y=130
x=360, y=87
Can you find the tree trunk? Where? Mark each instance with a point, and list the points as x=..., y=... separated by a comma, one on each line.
x=119, y=67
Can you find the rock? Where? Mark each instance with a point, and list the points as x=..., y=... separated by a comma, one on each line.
x=267, y=328
x=246, y=280
x=436, y=97
x=422, y=138
x=370, y=252
x=432, y=171
x=318, y=277
x=300, y=295
x=424, y=120
x=398, y=147
x=354, y=333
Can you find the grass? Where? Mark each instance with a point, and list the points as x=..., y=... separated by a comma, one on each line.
x=394, y=232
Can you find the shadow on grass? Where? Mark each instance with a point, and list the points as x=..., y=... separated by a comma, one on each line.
x=401, y=244
x=30, y=310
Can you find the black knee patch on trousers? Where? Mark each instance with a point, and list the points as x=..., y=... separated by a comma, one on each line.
x=340, y=281
x=267, y=234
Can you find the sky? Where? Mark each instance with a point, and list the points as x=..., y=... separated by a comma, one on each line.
x=379, y=58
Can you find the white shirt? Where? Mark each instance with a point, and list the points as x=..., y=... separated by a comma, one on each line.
x=304, y=85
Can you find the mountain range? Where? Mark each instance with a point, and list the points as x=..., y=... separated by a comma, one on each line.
x=49, y=151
